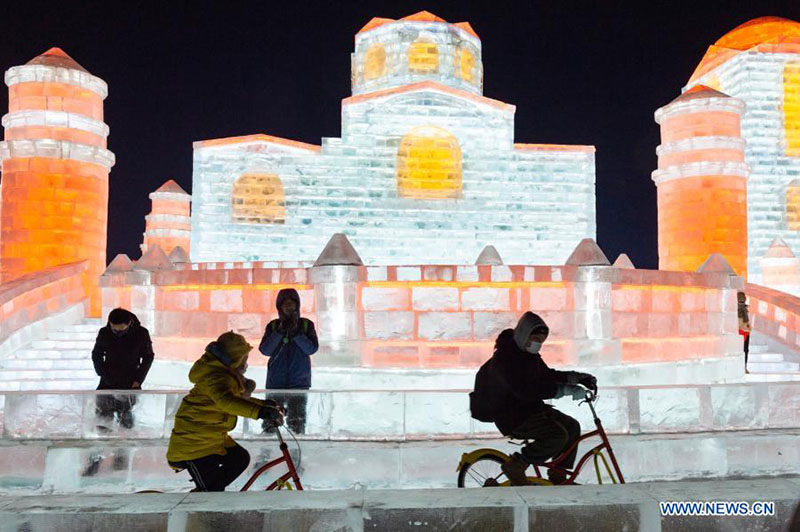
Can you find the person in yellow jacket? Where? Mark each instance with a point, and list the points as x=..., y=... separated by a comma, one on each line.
x=200, y=442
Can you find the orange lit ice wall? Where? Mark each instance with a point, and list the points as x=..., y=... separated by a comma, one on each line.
x=55, y=169
x=757, y=63
x=702, y=181
x=675, y=326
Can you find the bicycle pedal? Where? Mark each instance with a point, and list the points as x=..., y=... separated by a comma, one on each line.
x=491, y=483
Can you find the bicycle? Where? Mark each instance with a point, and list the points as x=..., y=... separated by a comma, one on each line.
x=281, y=482
x=481, y=468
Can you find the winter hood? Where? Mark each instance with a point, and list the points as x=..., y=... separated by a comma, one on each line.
x=526, y=325
x=287, y=293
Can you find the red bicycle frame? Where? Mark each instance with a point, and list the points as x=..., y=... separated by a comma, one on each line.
x=554, y=464
x=280, y=481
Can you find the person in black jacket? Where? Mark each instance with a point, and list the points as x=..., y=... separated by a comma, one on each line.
x=122, y=356
x=289, y=343
x=528, y=382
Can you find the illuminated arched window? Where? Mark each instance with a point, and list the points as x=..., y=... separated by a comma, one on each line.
x=793, y=205
x=375, y=62
x=791, y=108
x=423, y=56
x=465, y=63
x=429, y=164
x=258, y=199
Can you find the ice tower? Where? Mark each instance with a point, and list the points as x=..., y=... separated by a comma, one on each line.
x=701, y=180
x=55, y=170
x=759, y=63
x=168, y=224
x=426, y=170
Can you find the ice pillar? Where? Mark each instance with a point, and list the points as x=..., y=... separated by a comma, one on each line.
x=335, y=277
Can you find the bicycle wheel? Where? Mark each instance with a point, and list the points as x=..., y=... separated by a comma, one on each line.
x=484, y=472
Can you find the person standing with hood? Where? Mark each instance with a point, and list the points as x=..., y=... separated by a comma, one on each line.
x=744, y=325
x=289, y=342
x=122, y=356
x=522, y=413
x=200, y=440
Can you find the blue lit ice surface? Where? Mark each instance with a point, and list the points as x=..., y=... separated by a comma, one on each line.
x=533, y=203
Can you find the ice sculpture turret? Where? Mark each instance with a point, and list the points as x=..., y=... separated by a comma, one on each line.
x=421, y=47
x=168, y=225
x=55, y=170
x=701, y=180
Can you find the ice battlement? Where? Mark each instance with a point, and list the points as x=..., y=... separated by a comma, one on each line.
x=448, y=316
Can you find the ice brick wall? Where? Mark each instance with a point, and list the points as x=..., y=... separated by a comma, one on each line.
x=757, y=78
x=426, y=170
x=533, y=203
x=446, y=316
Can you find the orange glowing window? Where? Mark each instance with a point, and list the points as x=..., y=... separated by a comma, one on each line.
x=791, y=108
x=423, y=56
x=258, y=199
x=429, y=164
x=465, y=64
x=375, y=62
x=793, y=205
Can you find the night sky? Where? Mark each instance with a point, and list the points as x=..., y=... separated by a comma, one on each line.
x=579, y=73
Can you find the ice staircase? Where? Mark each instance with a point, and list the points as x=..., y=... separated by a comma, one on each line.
x=62, y=361
x=769, y=366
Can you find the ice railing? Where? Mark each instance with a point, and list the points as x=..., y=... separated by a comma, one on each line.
x=421, y=415
x=775, y=314
x=33, y=303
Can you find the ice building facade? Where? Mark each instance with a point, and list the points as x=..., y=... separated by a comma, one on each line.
x=426, y=170
x=753, y=72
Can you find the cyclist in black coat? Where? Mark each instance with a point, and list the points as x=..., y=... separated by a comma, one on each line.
x=122, y=356
x=524, y=414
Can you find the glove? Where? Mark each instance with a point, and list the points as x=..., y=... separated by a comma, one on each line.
x=576, y=392
x=271, y=415
x=588, y=381
x=274, y=404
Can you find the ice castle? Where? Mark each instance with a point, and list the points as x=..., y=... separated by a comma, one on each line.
x=426, y=175
x=426, y=170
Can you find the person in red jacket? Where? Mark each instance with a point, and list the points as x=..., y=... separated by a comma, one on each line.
x=122, y=356
x=523, y=414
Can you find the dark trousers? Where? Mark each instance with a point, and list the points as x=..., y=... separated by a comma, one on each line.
x=109, y=404
x=746, y=348
x=295, y=406
x=552, y=432
x=215, y=472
